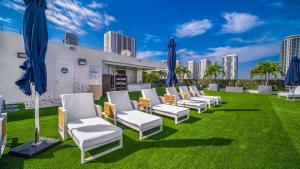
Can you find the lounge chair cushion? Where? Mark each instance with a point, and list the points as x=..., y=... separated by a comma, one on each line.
x=171, y=109
x=93, y=131
x=152, y=95
x=79, y=105
x=121, y=100
x=192, y=103
x=173, y=91
x=194, y=89
x=202, y=99
x=139, y=119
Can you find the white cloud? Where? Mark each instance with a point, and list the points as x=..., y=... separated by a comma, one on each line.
x=70, y=15
x=239, y=22
x=263, y=39
x=245, y=53
x=96, y=5
x=193, y=28
x=150, y=54
x=7, y=20
x=151, y=38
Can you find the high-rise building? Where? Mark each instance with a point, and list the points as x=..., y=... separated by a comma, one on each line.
x=230, y=66
x=203, y=66
x=290, y=47
x=115, y=42
x=177, y=63
x=70, y=39
x=193, y=67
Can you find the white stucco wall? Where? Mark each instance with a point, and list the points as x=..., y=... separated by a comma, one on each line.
x=11, y=43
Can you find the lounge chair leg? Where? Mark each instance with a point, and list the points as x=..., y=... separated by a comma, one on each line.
x=82, y=156
x=176, y=120
x=141, y=135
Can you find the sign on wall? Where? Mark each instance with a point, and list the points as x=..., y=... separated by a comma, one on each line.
x=93, y=72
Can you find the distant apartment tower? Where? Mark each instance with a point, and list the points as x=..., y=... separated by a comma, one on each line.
x=177, y=63
x=193, y=67
x=203, y=65
x=230, y=65
x=115, y=42
x=290, y=47
x=70, y=39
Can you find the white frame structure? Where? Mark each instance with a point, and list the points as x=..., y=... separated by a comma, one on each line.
x=132, y=126
x=64, y=131
x=166, y=113
x=200, y=110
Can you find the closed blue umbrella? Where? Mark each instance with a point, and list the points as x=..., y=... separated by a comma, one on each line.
x=171, y=79
x=292, y=77
x=35, y=35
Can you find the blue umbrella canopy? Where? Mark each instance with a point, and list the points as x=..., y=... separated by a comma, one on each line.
x=171, y=79
x=292, y=77
x=35, y=35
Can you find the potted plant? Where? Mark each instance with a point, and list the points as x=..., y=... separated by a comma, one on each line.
x=265, y=70
x=212, y=73
x=234, y=87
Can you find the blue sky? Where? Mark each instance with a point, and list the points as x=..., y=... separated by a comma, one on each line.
x=203, y=29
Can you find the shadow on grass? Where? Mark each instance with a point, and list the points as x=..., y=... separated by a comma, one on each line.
x=192, y=119
x=132, y=146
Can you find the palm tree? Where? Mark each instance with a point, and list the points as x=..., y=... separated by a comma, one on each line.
x=266, y=70
x=182, y=71
x=214, y=71
x=162, y=74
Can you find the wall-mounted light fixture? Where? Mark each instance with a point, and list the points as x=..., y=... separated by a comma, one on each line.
x=81, y=61
x=21, y=55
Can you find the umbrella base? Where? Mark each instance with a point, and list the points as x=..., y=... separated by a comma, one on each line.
x=30, y=150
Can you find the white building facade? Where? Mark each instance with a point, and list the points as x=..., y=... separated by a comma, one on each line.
x=69, y=68
x=203, y=66
x=290, y=47
x=230, y=66
x=193, y=68
x=115, y=42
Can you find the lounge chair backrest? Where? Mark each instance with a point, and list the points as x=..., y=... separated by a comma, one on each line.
x=173, y=91
x=193, y=88
x=184, y=89
x=79, y=106
x=297, y=90
x=120, y=99
x=152, y=95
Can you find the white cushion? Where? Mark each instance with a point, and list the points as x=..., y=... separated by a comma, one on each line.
x=184, y=89
x=120, y=99
x=93, y=131
x=140, y=119
x=152, y=95
x=201, y=99
x=172, y=91
x=194, y=89
x=79, y=105
x=297, y=91
x=175, y=110
x=192, y=103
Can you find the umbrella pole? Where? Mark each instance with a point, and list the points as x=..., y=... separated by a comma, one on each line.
x=36, y=119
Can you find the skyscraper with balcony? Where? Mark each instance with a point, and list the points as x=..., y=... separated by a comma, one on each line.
x=193, y=67
x=115, y=42
x=70, y=39
x=202, y=67
x=290, y=47
x=230, y=66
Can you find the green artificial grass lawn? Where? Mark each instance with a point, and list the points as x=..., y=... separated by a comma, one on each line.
x=246, y=131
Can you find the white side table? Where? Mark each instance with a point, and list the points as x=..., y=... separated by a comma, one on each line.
x=3, y=124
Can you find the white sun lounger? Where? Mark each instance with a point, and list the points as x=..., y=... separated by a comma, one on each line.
x=188, y=96
x=290, y=95
x=82, y=120
x=179, y=101
x=158, y=106
x=195, y=92
x=126, y=112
